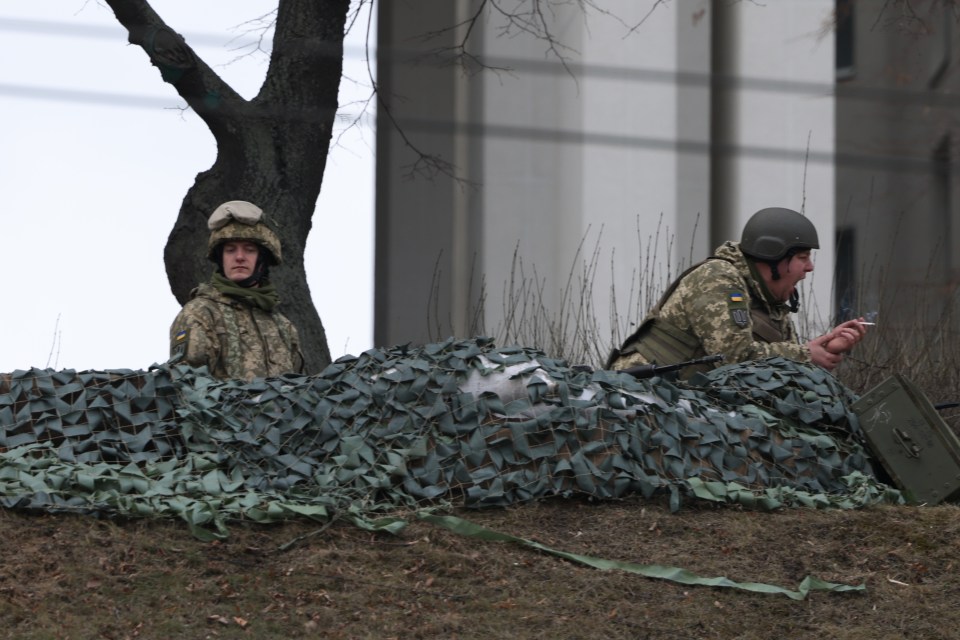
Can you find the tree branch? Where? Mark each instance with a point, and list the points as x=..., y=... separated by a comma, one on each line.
x=179, y=65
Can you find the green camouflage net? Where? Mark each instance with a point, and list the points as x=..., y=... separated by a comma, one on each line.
x=408, y=429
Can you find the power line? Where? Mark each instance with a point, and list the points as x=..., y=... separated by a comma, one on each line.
x=510, y=132
x=71, y=29
x=125, y=100
x=573, y=69
x=116, y=32
x=706, y=80
x=494, y=130
x=890, y=162
x=539, y=67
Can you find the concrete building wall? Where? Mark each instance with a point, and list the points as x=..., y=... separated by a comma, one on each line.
x=427, y=212
x=783, y=120
x=896, y=171
x=585, y=182
x=531, y=166
x=606, y=172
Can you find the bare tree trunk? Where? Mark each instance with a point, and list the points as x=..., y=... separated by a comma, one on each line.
x=271, y=150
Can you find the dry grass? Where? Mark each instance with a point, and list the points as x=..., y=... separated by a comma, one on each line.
x=78, y=577
x=582, y=323
x=906, y=556
x=70, y=577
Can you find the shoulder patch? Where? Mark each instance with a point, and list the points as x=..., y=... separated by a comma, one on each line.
x=738, y=308
x=179, y=347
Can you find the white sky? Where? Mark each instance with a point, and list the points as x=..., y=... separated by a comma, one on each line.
x=95, y=159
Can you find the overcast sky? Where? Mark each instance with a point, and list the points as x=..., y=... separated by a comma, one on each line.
x=97, y=156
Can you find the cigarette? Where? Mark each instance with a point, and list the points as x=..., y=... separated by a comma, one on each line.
x=869, y=324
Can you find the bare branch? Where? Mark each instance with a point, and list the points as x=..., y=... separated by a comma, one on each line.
x=354, y=15
x=458, y=54
x=179, y=65
x=426, y=165
x=907, y=19
x=261, y=26
x=513, y=18
x=649, y=13
x=532, y=17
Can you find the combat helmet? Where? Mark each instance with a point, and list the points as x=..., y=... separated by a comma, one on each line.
x=772, y=233
x=241, y=220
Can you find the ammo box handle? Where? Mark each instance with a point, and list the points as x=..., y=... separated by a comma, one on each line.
x=906, y=442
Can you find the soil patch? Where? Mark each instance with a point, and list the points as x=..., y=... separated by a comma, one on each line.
x=78, y=577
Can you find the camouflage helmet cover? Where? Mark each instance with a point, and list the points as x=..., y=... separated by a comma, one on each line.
x=240, y=220
x=770, y=234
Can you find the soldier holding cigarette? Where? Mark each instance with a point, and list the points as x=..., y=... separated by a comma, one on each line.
x=737, y=303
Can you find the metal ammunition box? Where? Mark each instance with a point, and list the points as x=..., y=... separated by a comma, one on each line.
x=905, y=433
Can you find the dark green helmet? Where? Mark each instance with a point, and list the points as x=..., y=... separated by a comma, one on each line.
x=772, y=233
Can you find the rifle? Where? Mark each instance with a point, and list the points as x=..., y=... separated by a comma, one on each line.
x=650, y=370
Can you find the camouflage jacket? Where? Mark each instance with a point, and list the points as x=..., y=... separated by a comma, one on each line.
x=232, y=339
x=719, y=307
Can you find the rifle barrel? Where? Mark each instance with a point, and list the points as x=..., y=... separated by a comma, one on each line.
x=650, y=370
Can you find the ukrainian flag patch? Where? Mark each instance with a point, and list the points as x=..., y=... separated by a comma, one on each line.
x=739, y=311
x=179, y=347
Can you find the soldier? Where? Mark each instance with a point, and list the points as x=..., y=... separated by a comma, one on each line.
x=737, y=303
x=231, y=324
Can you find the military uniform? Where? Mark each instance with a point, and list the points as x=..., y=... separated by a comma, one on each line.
x=234, y=340
x=233, y=327
x=720, y=306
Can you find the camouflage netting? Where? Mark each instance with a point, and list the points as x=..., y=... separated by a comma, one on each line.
x=424, y=428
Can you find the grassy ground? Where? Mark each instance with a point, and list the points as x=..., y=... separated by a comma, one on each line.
x=77, y=577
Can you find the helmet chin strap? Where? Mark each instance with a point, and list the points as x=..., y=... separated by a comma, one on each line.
x=259, y=274
x=260, y=271
x=774, y=265
x=794, y=302
x=774, y=270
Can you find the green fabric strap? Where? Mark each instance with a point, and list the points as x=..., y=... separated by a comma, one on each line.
x=659, y=341
x=264, y=296
x=675, y=574
x=764, y=328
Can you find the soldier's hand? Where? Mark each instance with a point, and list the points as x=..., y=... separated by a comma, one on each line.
x=822, y=357
x=844, y=336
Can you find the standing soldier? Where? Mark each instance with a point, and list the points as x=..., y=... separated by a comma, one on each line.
x=231, y=324
x=737, y=303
